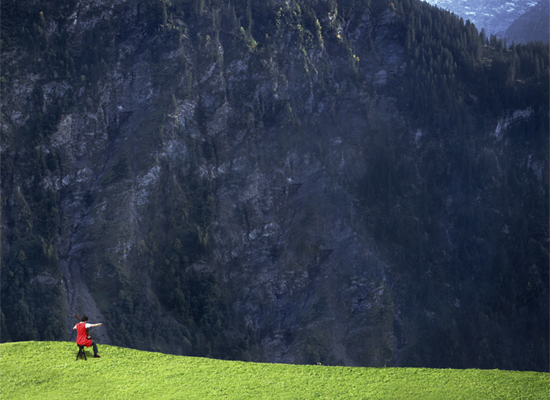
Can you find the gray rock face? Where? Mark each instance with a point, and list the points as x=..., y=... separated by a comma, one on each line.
x=211, y=192
x=284, y=233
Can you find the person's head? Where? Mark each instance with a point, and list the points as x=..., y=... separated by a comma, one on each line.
x=84, y=318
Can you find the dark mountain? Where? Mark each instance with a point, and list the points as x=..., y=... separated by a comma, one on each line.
x=354, y=182
x=532, y=26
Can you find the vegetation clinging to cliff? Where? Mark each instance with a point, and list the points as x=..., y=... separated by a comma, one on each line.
x=452, y=89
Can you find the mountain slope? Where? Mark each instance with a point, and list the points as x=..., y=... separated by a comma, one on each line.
x=361, y=183
x=126, y=373
x=495, y=16
x=532, y=26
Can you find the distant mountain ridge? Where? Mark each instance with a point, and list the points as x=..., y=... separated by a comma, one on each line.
x=493, y=15
x=532, y=26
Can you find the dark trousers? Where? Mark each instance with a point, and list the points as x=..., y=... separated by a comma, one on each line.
x=95, y=348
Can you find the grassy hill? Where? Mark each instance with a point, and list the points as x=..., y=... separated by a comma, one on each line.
x=43, y=370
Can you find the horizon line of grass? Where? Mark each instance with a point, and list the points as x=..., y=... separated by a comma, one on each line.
x=32, y=370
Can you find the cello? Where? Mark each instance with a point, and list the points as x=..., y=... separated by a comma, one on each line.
x=88, y=336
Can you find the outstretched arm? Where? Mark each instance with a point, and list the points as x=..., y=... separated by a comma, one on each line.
x=93, y=325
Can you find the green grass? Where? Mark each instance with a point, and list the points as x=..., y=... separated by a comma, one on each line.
x=48, y=370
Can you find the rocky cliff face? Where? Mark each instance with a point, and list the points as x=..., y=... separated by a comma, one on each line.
x=247, y=181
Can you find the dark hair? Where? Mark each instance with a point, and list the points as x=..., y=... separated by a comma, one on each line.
x=84, y=318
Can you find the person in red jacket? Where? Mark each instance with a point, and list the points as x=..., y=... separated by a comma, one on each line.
x=81, y=334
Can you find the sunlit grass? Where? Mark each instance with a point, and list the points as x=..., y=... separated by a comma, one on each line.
x=48, y=370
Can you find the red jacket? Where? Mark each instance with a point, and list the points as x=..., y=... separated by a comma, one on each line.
x=81, y=335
